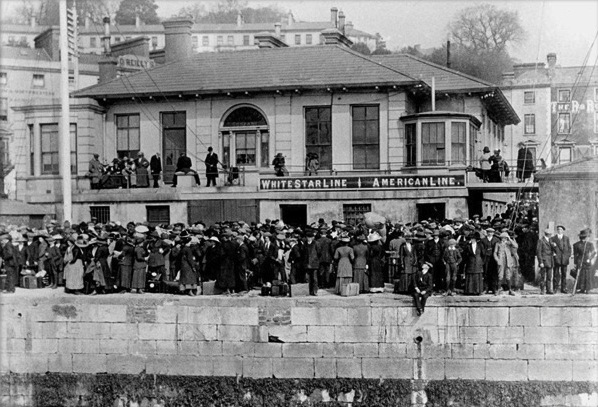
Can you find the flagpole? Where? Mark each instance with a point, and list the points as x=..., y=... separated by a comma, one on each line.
x=64, y=155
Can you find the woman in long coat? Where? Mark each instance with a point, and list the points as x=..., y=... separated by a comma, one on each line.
x=584, y=258
x=188, y=278
x=362, y=252
x=345, y=256
x=100, y=256
x=409, y=265
x=225, y=280
x=74, y=265
x=474, y=268
x=139, y=266
x=141, y=167
x=126, y=260
x=376, y=263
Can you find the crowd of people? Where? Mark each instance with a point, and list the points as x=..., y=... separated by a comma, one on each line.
x=448, y=257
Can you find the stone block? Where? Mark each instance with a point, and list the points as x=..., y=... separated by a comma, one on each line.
x=568, y=352
x=238, y=348
x=180, y=365
x=470, y=334
x=325, y=368
x=562, y=316
x=117, y=346
x=203, y=315
x=430, y=351
x=433, y=369
x=269, y=350
x=294, y=368
x=506, y=334
x=28, y=363
x=594, y=316
x=67, y=346
x=158, y=332
x=337, y=350
x=585, y=371
x=392, y=350
x=530, y=351
x=318, y=316
x=52, y=330
x=167, y=347
x=171, y=314
x=62, y=363
x=462, y=351
x=524, y=316
x=348, y=368
x=124, y=331
x=359, y=316
x=194, y=332
x=384, y=316
x=550, y=370
x=145, y=348
x=289, y=333
x=359, y=334
x=506, y=370
x=15, y=345
x=393, y=334
x=587, y=335
x=88, y=330
x=89, y=363
x=453, y=316
x=551, y=334
x=257, y=368
x=365, y=350
x=235, y=333
x=212, y=348
x=302, y=350
x=238, y=316
x=468, y=369
x=320, y=333
x=488, y=316
x=4, y=366
x=125, y=364
x=111, y=313
x=374, y=368
x=495, y=351
x=228, y=366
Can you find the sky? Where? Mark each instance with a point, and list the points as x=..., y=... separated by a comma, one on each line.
x=567, y=27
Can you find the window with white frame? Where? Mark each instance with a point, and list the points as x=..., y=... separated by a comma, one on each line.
x=127, y=135
x=308, y=39
x=564, y=95
x=39, y=81
x=564, y=155
x=3, y=109
x=49, y=148
x=366, y=137
x=230, y=40
x=195, y=42
x=529, y=97
x=297, y=39
x=595, y=94
x=433, y=143
x=219, y=40
x=245, y=138
x=154, y=42
x=3, y=78
x=318, y=134
x=458, y=142
x=410, y=145
x=205, y=40
x=530, y=124
x=246, y=40
x=564, y=123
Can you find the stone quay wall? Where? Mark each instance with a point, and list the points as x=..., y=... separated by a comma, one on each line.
x=517, y=339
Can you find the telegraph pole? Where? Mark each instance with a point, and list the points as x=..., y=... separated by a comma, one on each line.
x=64, y=154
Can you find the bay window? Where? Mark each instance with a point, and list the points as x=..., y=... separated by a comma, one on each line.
x=433, y=144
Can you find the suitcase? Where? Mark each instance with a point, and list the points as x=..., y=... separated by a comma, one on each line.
x=350, y=290
x=31, y=282
x=209, y=288
x=266, y=291
x=299, y=290
x=280, y=290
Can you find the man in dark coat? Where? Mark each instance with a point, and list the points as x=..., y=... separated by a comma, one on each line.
x=433, y=251
x=311, y=262
x=242, y=260
x=156, y=168
x=183, y=165
x=324, y=246
x=561, y=247
x=525, y=163
x=10, y=259
x=211, y=162
x=421, y=287
x=544, y=253
x=488, y=244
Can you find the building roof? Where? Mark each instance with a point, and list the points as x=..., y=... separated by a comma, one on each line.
x=253, y=71
x=586, y=167
x=452, y=81
x=24, y=53
x=575, y=74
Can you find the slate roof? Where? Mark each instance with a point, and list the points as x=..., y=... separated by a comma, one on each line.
x=24, y=53
x=255, y=70
x=583, y=166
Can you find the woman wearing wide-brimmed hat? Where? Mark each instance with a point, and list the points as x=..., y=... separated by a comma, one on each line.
x=139, y=265
x=362, y=253
x=126, y=259
x=474, y=268
x=376, y=263
x=584, y=258
x=344, y=255
x=74, y=264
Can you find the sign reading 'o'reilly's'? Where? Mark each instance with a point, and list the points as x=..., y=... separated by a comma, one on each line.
x=134, y=62
x=383, y=182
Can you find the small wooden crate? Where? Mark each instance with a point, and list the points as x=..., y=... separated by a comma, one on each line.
x=299, y=290
x=350, y=290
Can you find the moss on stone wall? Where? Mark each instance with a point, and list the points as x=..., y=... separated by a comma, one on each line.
x=54, y=389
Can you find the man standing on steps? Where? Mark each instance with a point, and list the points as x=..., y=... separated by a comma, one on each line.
x=561, y=247
x=211, y=162
x=544, y=253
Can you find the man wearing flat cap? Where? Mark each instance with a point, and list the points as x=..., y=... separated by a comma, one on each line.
x=562, y=249
x=10, y=260
x=544, y=253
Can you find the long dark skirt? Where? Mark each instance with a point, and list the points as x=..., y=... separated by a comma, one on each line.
x=402, y=284
x=474, y=284
x=585, y=278
x=361, y=278
x=139, y=278
x=126, y=274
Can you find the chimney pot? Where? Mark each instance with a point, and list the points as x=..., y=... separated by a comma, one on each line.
x=277, y=29
x=333, y=16
x=341, y=22
x=290, y=19
x=33, y=22
x=551, y=59
x=239, y=19
x=137, y=21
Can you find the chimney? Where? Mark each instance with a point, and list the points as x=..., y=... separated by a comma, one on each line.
x=332, y=36
x=49, y=40
x=348, y=25
x=239, y=19
x=290, y=19
x=508, y=78
x=137, y=21
x=341, y=22
x=33, y=22
x=177, y=36
x=333, y=15
x=267, y=40
x=87, y=20
x=277, y=29
x=106, y=37
x=551, y=59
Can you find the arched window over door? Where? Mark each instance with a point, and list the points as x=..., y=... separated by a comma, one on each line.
x=245, y=138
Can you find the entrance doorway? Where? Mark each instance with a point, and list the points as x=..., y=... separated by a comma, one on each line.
x=294, y=215
x=174, y=137
x=435, y=211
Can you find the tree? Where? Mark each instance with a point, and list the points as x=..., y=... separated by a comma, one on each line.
x=485, y=27
x=130, y=9
x=381, y=51
x=196, y=11
x=362, y=48
x=47, y=12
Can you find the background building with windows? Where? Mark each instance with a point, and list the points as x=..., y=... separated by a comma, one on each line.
x=381, y=145
x=558, y=106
